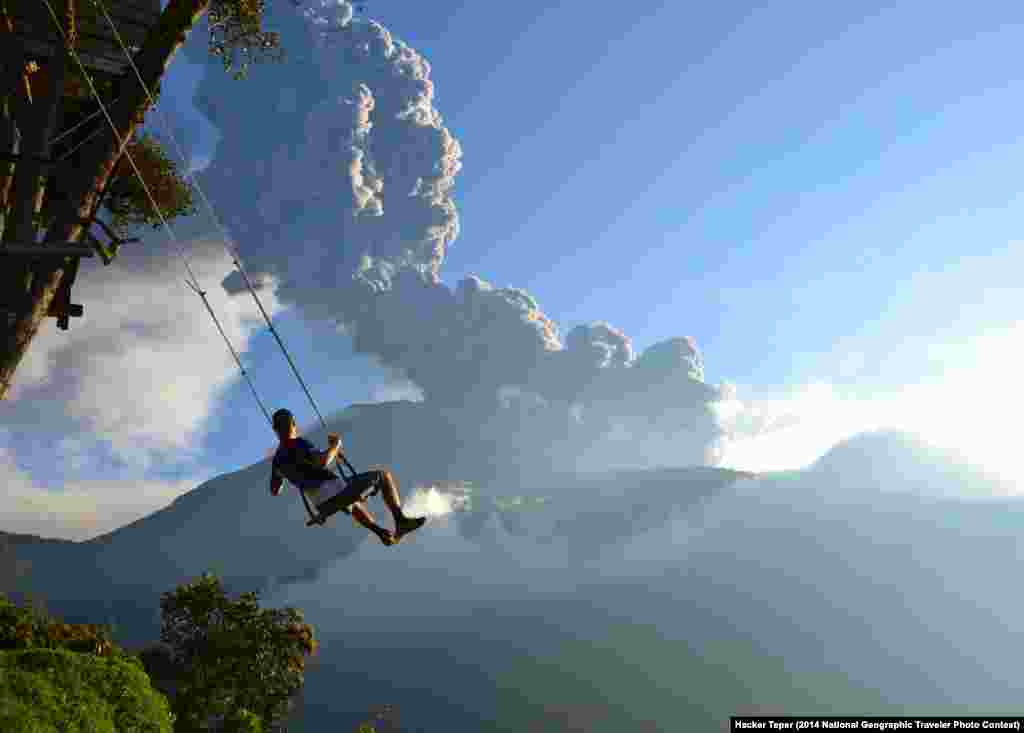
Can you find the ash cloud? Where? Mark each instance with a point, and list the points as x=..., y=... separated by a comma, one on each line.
x=348, y=214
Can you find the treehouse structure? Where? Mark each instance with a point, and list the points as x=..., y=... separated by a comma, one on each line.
x=48, y=115
x=67, y=150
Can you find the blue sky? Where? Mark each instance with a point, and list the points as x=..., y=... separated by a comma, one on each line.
x=825, y=196
x=789, y=187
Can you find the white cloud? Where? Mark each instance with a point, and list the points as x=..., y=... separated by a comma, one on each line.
x=81, y=509
x=794, y=430
x=972, y=410
x=126, y=389
x=144, y=366
x=401, y=389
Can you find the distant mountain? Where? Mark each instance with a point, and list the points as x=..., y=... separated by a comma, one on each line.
x=894, y=460
x=229, y=525
x=886, y=553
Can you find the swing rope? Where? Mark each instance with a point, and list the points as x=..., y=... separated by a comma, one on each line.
x=192, y=282
x=225, y=239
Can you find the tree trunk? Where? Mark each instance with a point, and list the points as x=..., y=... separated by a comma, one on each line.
x=9, y=141
x=98, y=160
x=12, y=85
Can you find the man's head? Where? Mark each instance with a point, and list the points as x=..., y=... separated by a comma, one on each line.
x=284, y=424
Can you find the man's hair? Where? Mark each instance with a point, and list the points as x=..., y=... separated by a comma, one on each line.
x=283, y=421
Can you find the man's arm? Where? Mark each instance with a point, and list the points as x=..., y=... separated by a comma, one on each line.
x=275, y=482
x=324, y=458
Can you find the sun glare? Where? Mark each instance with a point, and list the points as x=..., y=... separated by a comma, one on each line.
x=970, y=411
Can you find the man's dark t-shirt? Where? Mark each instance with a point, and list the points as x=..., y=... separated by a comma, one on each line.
x=295, y=460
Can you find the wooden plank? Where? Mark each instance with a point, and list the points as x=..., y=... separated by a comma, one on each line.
x=97, y=46
x=133, y=34
x=112, y=64
x=140, y=6
x=87, y=40
x=105, y=47
x=44, y=48
x=41, y=18
x=38, y=14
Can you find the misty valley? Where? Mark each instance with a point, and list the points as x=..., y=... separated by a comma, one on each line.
x=570, y=609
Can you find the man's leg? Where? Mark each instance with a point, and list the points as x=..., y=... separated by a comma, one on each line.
x=389, y=492
x=363, y=516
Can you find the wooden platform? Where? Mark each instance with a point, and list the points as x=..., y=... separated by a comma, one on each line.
x=97, y=45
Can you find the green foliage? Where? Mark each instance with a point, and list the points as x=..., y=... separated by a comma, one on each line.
x=228, y=661
x=243, y=721
x=58, y=690
x=237, y=662
x=236, y=34
x=27, y=628
x=127, y=200
x=70, y=677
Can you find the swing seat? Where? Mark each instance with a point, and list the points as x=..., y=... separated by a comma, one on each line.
x=355, y=490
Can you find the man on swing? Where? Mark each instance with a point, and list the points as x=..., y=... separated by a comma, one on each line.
x=298, y=461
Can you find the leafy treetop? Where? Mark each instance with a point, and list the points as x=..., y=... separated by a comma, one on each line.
x=238, y=662
x=237, y=35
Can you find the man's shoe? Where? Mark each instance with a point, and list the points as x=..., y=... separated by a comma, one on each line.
x=388, y=538
x=409, y=525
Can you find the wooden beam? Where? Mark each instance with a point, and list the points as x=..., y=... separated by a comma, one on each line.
x=15, y=158
x=72, y=249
